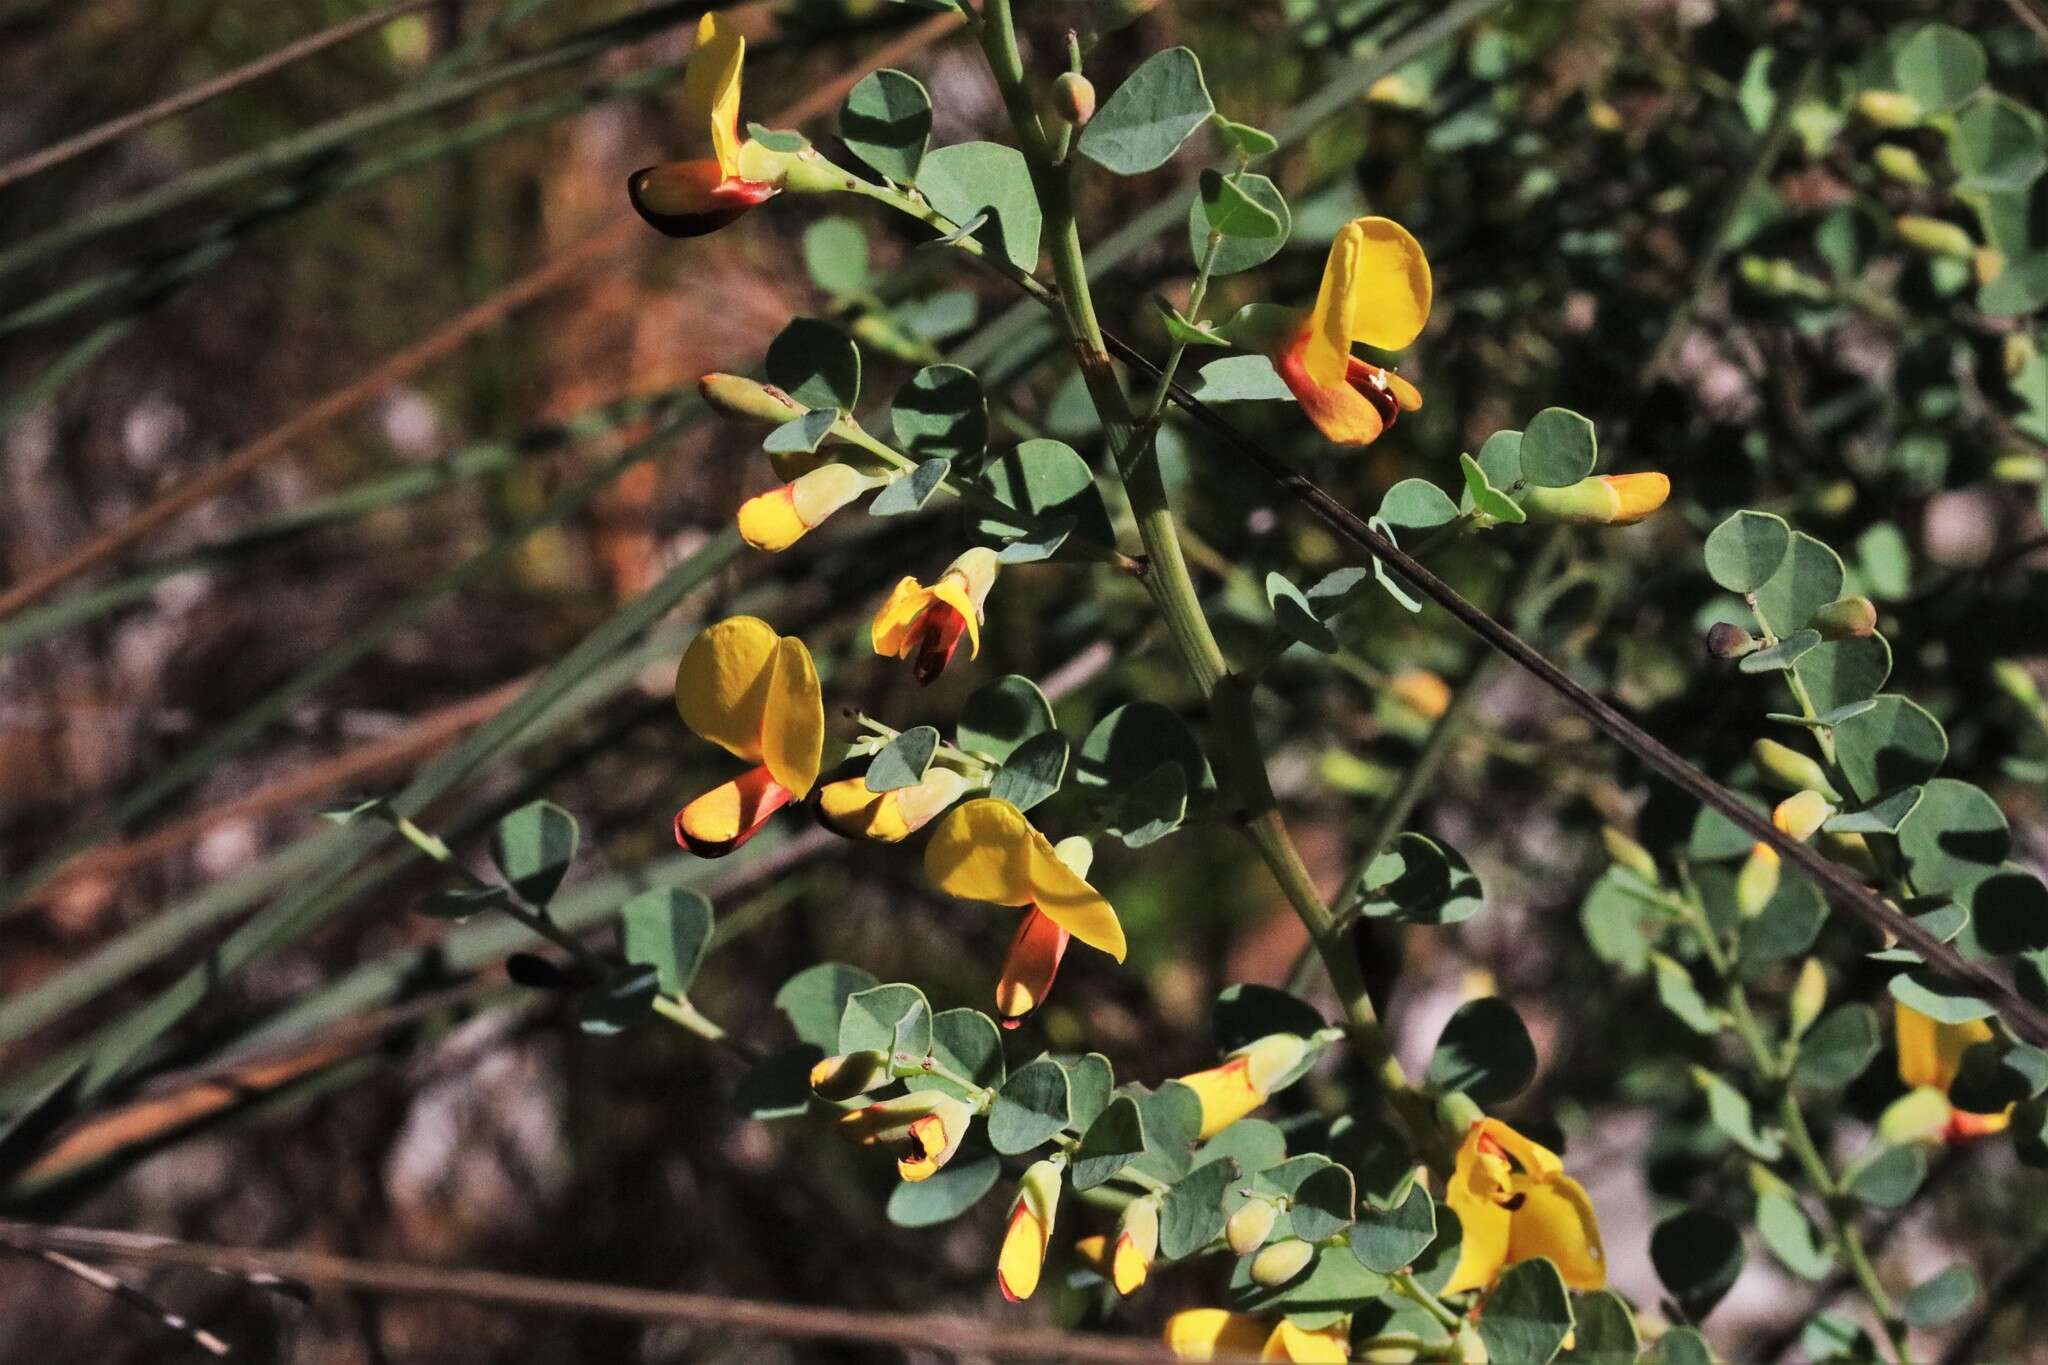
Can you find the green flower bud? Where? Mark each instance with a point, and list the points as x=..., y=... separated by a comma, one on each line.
x=2017, y=683
x=1889, y=108
x=1900, y=164
x=1073, y=98
x=1801, y=814
x=2018, y=468
x=2016, y=353
x=1726, y=640
x=748, y=400
x=1809, y=996
x=1627, y=853
x=1791, y=770
x=1247, y=1229
x=1935, y=236
x=1281, y=1262
x=1757, y=882
x=1848, y=618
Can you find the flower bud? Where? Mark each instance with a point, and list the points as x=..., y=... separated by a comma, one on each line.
x=748, y=400
x=1801, y=815
x=1987, y=263
x=2014, y=680
x=1935, y=236
x=1627, y=853
x=1073, y=98
x=1790, y=770
x=2017, y=352
x=1022, y=1258
x=1898, y=163
x=1281, y=1262
x=1726, y=640
x=1244, y=1080
x=1809, y=996
x=1853, y=852
x=849, y=1074
x=1422, y=692
x=1247, y=1229
x=2020, y=468
x=1603, y=500
x=848, y=808
x=779, y=518
x=1757, y=882
x=1847, y=618
x=1888, y=108
x=1136, y=1246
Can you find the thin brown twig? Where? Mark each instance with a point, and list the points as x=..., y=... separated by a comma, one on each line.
x=450, y=336
x=172, y=105
x=789, y=1321
x=1842, y=888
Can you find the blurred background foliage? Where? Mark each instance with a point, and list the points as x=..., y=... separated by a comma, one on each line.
x=1607, y=235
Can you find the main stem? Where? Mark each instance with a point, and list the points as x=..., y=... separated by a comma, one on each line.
x=1234, y=737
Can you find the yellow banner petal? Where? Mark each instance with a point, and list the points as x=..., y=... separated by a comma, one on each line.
x=793, y=724
x=1326, y=354
x=1069, y=901
x=711, y=90
x=1390, y=286
x=722, y=684
x=1214, y=1334
x=982, y=851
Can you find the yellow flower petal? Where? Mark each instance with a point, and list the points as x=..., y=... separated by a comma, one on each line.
x=1069, y=901
x=891, y=630
x=981, y=851
x=769, y=521
x=1376, y=289
x=1290, y=1342
x=793, y=720
x=723, y=681
x=728, y=815
x=954, y=594
x=711, y=89
x=1214, y=1334
x=1226, y=1093
x=1023, y=1254
x=1390, y=293
x=1931, y=1052
x=1556, y=1219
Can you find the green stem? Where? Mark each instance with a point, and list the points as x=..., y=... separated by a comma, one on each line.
x=1234, y=733
x=1409, y=1287
x=687, y=1016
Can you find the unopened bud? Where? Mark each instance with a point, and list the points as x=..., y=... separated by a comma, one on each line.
x=1801, y=815
x=2014, y=680
x=1627, y=853
x=748, y=400
x=1757, y=882
x=1847, y=618
x=1987, y=263
x=849, y=1074
x=1281, y=1262
x=1935, y=236
x=1247, y=1229
x=2017, y=352
x=1900, y=164
x=1073, y=98
x=1888, y=108
x=1851, y=851
x=1809, y=995
x=1790, y=770
x=1726, y=640
x=1603, y=116
x=1422, y=692
x=2017, y=468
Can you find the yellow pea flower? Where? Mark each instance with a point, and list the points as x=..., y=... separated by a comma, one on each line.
x=1376, y=289
x=847, y=807
x=986, y=850
x=755, y=694
x=928, y=1127
x=1217, y=1334
x=928, y=622
x=691, y=198
x=779, y=518
x=1245, y=1080
x=1516, y=1203
x=1930, y=1055
x=1029, y=1232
